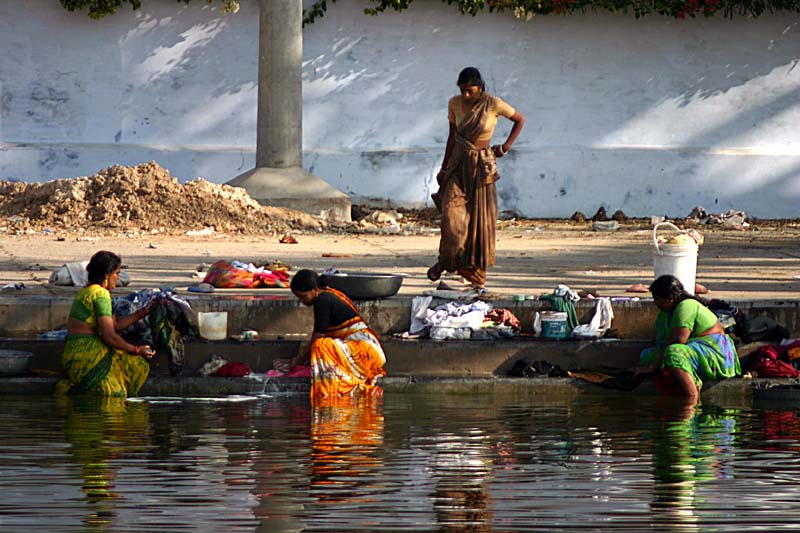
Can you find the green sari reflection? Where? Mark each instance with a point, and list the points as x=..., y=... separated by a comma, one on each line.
x=100, y=429
x=691, y=444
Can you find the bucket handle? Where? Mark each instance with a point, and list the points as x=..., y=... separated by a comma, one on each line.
x=655, y=229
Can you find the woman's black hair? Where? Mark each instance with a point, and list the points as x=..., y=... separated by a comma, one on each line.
x=306, y=280
x=668, y=286
x=471, y=76
x=101, y=264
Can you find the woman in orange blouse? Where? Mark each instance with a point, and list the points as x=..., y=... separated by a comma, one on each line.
x=467, y=197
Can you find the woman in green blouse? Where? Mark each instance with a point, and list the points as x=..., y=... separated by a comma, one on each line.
x=96, y=359
x=691, y=345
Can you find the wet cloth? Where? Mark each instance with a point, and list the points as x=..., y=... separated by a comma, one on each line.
x=710, y=357
x=92, y=366
x=171, y=320
x=467, y=197
x=620, y=380
x=347, y=360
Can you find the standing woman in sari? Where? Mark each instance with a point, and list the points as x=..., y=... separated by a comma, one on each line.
x=467, y=197
x=346, y=357
x=691, y=345
x=96, y=359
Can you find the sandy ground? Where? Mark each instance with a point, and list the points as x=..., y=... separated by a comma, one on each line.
x=761, y=263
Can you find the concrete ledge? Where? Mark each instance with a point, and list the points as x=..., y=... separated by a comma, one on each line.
x=277, y=315
x=418, y=359
x=731, y=390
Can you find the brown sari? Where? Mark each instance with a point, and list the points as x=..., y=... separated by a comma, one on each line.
x=468, y=201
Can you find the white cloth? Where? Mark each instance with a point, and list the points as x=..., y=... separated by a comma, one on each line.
x=71, y=274
x=419, y=309
x=450, y=315
x=600, y=323
x=566, y=292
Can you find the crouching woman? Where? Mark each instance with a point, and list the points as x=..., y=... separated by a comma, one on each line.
x=96, y=359
x=345, y=355
x=691, y=345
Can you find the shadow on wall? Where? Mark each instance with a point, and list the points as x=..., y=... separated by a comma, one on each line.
x=598, y=81
x=185, y=75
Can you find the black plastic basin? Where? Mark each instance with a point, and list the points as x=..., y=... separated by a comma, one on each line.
x=364, y=286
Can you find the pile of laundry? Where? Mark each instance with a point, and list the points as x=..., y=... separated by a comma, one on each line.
x=459, y=320
x=240, y=275
x=780, y=360
x=480, y=320
x=171, y=319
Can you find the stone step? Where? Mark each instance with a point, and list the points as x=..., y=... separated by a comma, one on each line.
x=279, y=316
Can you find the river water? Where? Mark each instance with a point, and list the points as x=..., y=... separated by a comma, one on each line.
x=409, y=462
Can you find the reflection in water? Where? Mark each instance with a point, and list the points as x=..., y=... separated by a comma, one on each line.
x=461, y=498
x=416, y=461
x=99, y=430
x=691, y=444
x=346, y=460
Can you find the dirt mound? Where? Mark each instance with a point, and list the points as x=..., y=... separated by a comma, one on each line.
x=144, y=198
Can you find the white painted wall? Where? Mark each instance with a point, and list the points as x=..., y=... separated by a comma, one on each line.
x=652, y=116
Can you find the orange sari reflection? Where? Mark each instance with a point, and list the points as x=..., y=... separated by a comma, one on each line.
x=346, y=437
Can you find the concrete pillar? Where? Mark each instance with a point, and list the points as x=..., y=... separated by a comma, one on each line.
x=279, y=178
x=279, y=141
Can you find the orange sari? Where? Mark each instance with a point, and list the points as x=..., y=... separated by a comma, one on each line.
x=347, y=360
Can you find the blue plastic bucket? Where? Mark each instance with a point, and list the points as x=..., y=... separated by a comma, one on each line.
x=554, y=324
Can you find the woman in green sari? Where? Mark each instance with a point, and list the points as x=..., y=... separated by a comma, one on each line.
x=96, y=359
x=691, y=345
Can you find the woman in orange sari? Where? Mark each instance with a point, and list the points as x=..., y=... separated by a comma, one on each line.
x=346, y=357
x=467, y=197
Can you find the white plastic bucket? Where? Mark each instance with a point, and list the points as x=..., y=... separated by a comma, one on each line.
x=213, y=326
x=679, y=260
x=554, y=324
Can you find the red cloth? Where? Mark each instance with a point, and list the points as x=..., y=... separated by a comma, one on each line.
x=233, y=370
x=503, y=316
x=772, y=368
x=300, y=371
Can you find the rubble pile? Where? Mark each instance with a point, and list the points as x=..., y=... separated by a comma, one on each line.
x=144, y=198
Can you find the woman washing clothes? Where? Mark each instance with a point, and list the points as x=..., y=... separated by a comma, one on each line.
x=96, y=359
x=467, y=198
x=691, y=345
x=345, y=355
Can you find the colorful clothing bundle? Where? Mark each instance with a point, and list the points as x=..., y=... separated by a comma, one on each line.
x=709, y=357
x=91, y=365
x=237, y=275
x=171, y=319
x=347, y=360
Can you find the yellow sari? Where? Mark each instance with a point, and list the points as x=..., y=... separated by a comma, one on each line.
x=347, y=360
x=92, y=366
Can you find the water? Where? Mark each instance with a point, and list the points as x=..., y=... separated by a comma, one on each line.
x=415, y=462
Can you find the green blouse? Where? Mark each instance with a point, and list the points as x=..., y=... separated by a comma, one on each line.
x=91, y=302
x=692, y=315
